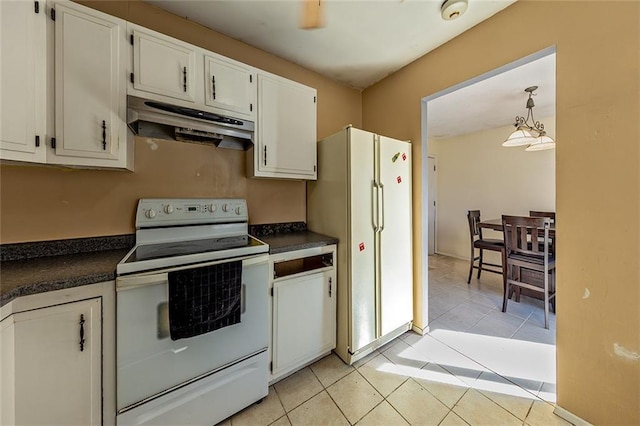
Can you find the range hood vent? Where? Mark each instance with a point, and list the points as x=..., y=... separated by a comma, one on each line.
x=165, y=121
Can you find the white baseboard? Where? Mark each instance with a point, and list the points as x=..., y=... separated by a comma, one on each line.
x=570, y=417
x=466, y=258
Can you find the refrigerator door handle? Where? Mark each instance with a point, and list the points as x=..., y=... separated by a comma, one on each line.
x=375, y=219
x=381, y=206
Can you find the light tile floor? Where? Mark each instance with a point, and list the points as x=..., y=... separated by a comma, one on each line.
x=476, y=366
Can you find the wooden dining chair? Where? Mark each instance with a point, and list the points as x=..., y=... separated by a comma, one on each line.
x=550, y=215
x=529, y=266
x=481, y=244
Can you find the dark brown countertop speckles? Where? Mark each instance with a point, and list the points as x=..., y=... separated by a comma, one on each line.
x=289, y=237
x=32, y=269
x=38, y=267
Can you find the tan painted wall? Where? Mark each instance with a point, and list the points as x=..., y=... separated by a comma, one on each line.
x=597, y=181
x=476, y=172
x=46, y=203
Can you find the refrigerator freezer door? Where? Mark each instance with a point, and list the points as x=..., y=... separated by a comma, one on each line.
x=396, y=280
x=362, y=324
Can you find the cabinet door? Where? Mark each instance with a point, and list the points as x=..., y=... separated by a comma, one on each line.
x=90, y=89
x=58, y=379
x=229, y=86
x=286, y=145
x=163, y=65
x=304, y=315
x=22, y=86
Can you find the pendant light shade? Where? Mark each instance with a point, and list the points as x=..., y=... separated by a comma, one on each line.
x=532, y=134
x=519, y=138
x=541, y=143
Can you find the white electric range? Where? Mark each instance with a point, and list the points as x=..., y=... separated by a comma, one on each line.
x=192, y=314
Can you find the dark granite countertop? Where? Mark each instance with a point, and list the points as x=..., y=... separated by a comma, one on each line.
x=289, y=237
x=30, y=268
x=38, y=267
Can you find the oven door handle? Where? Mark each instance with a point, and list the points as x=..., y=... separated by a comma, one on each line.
x=137, y=281
x=152, y=278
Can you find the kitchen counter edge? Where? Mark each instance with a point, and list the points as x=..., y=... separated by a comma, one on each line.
x=32, y=268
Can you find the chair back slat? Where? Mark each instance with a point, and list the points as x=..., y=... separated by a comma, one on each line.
x=521, y=235
x=473, y=216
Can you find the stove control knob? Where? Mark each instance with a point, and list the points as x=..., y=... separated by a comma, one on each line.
x=168, y=209
x=151, y=213
x=212, y=208
x=225, y=207
x=238, y=210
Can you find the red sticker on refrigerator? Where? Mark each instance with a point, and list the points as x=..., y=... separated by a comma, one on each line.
x=399, y=179
x=404, y=157
x=361, y=246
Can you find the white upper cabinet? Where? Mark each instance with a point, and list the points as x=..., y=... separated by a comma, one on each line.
x=163, y=65
x=286, y=130
x=63, y=87
x=90, y=88
x=23, y=83
x=229, y=86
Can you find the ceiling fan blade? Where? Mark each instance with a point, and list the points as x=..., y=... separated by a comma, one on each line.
x=312, y=14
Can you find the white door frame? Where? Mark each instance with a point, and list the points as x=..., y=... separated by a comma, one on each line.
x=433, y=198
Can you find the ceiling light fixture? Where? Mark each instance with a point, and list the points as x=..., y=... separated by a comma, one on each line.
x=452, y=9
x=532, y=134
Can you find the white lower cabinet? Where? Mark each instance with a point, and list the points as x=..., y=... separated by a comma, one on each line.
x=303, y=309
x=51, y=364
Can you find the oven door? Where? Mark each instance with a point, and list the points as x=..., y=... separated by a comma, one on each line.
x=150, y=364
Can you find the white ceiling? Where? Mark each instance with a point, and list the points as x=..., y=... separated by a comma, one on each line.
x=362, y=42
x=495, y=101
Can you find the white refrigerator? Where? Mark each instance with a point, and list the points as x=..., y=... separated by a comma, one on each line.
x=363, y=198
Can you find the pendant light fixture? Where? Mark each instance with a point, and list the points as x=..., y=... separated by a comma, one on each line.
x=532, y=134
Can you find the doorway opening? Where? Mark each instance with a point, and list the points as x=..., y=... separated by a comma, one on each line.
x=464, y=127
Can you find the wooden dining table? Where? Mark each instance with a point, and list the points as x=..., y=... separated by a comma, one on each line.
x=496, y=225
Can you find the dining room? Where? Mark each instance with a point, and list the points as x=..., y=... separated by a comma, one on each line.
x=514, y=350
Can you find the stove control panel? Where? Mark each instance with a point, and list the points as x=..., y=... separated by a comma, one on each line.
x=155, y=212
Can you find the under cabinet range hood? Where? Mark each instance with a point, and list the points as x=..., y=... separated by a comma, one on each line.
x=161, y=120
